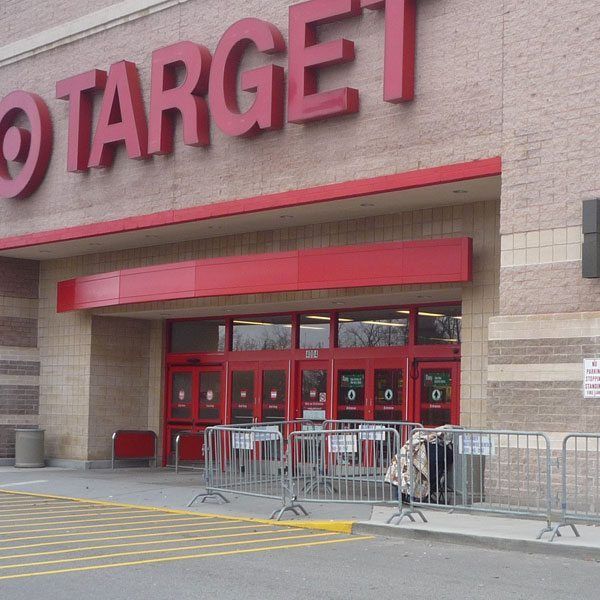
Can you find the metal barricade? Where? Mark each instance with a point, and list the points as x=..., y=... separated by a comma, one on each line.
x=344, y=465
x=580, y=484
x=247, y=461
x=502, y=472
x=182, y=450
x=133, y=444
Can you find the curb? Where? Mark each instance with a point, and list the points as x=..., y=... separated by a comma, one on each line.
x=479, y=541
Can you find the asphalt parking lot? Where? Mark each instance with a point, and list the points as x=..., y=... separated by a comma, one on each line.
x=44, y=536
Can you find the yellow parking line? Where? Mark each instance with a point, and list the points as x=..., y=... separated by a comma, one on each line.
x=56, y=510
x=185, y=557
x=170, y=511
x=131, y=544
x=26, y=503
x=167, y=519
x=96, y=513
x=131, y=515
x=130, y=537
x=162, y=550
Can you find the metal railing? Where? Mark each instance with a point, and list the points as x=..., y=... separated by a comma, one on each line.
x=248, y=461
x=179, y=441
x=406, y=466
x=134, y=444
x=580, y=482
x=344, y=465
x=501, y=472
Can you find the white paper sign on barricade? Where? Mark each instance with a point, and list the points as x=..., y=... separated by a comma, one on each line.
x=242, y=440
x=373, y=433
x=476, y=444
x=266, y=433
x=343, y=443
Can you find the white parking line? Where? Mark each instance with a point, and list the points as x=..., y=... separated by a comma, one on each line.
x=5, y=485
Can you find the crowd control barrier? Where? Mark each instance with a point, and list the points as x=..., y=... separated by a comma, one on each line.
x=405, y=466
x=344, y=465
x=501, y=472
x=248, y=461
x=580, y=482
x=129, y=444
x=189, y=450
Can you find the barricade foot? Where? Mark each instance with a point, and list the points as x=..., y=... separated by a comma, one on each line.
x=297, y=509
x=556, y=531
x=208, y=495
x=406, y=512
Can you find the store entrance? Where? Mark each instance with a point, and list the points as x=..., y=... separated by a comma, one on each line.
x=436, y=390
x=373, y=389
x=194, y=402
x=259, y=391
x=389, y=364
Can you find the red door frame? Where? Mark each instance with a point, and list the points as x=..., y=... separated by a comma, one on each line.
x=249, y=367
x=194, y=424
x=312, y=365
x=362, y=411
x=277, y=365
x=424, y=366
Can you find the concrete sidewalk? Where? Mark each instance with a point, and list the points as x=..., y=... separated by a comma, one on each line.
x=164, y=489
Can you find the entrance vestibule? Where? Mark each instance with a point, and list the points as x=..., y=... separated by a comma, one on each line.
x=390, y=364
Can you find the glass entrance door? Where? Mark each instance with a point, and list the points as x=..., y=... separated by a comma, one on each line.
x=389, y=390
x=209, y=396
x=243, y=394
x=274, y=391
x=182, y=385
x=350, y=390
x=313, y=390
x=437, y=388
x=194, y=401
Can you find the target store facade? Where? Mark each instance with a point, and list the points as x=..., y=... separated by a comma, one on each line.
x=365, y=209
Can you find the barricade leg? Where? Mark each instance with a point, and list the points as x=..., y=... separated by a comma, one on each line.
x=206, y=495
x=556, y=531
x=291, y=506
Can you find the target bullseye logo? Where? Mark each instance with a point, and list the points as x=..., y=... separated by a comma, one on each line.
x=29, y=148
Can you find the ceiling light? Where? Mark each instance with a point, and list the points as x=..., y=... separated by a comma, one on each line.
x=428, y=314
x=236, y=322
x=318, y=317
x=385, y=323
x=315, y=327
x=403, y=312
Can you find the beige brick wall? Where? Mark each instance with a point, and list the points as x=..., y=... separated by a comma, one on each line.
x=120, y=378
x=456, y=116
x=551, y=74
x=19, y=357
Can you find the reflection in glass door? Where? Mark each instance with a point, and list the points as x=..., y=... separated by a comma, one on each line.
x=274, y=394
x=209, y=406
x=351, y=384
x=437, y=389
x=243, y=396
x=389, y=395
x=181, y=394
x=313, y=392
